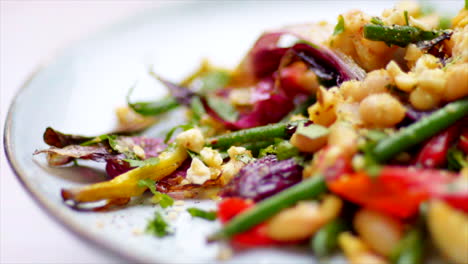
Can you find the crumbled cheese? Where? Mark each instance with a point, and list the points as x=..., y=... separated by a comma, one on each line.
x=198, y=173
x=191, y=139
x=184, y=182
x=139, y=152
x=211, y=157
x=214, y=173
x=233, y=151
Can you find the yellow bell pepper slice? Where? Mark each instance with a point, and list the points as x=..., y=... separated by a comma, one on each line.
x=126, y=185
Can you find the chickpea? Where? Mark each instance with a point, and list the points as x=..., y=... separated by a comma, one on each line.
x=457, y=82
x=423, y=100
x=349, y=112
x=381, y=232
x=342, y=134
x=413, y=53
x=375, y=82
x=432, y=81
x=373, y=55
x=404, y=81
x=303, y=220
x=381, y=110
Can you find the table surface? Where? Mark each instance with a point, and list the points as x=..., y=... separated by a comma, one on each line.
x=31, y=32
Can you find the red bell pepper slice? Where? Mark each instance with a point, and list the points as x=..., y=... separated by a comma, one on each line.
x=257, y=236
x=399, y=191
x=434, y=152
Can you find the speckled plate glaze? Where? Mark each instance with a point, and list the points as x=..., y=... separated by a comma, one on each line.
x=78, y=91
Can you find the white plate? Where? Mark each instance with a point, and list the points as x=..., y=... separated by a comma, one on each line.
x=79, y=90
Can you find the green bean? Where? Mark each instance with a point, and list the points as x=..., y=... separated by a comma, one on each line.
x=155, y=108
x=398, y=35
x=307, y=189
x=421, y=130
x=410, y=249
x=326, y=239
x=262, y=133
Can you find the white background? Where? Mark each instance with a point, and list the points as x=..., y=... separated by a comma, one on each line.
x=31, y=32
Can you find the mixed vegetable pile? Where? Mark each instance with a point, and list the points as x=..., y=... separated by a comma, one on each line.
x=353, y=137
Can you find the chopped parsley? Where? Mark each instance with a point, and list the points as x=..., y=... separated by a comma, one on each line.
x=456, y=159
x=377, y=21
x=158, y=226
x=340, y=26
x=163, y=199
x=208, y=215
x=283, y=149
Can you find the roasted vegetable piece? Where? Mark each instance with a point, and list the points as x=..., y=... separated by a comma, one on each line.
x=307, y=189
x=256, y=236
x=126, y=185
x=434, y=152
x=420, y=131
x=263, y=178
x=398, y=191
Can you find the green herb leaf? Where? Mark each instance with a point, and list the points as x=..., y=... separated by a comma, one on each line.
x=213, y=81
x=193, y=154
x=223, y=108
x=312, y=131
x=158, y=226
x=150, y=184
x=163, y=199
x=340, y=26
x=456, y=159
x=377, y=21
x=142, y=163
x=283, y=149
x=208, y=215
